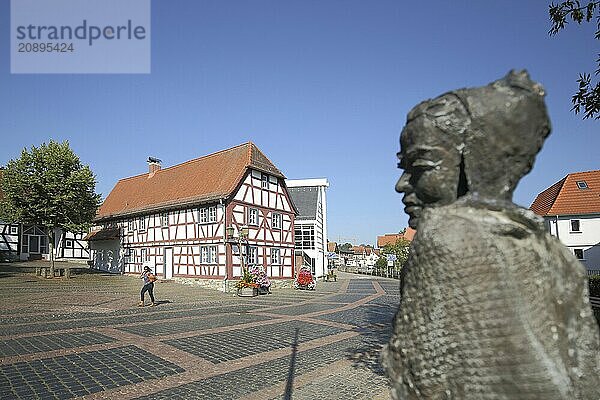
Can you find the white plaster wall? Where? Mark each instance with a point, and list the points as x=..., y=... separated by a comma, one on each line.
x=587, y=239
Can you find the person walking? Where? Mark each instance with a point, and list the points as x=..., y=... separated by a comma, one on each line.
x=148, y=278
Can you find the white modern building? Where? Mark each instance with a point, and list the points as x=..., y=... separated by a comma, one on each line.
x=571, y=212
x=310, y=198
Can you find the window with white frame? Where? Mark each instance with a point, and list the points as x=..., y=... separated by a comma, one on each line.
x=142, y=224
x=252, y=216
x=208, y=254
x=276, y=221
x=143, y=254
x=14, y=230
x=252, y=255
x=68, y=243
x=582, y=185
x=130, y=226
x=207, y=215
x=575, y=225
x=578, y=253
x=164, y=219
x=304, y=236
x=264, y=181
x=275, y=256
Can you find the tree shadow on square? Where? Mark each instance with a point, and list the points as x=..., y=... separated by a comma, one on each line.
x=289, y=385
x=374, y=335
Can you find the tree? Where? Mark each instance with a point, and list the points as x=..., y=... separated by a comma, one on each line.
x=587, y=98
x=346, y=247
x=48, y=186
x=400, y=249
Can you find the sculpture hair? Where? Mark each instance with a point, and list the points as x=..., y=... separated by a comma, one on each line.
x=497, y=130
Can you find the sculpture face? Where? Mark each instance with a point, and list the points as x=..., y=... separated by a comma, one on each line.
x=431, y=166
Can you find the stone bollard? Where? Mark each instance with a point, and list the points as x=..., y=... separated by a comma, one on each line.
x=67, y=273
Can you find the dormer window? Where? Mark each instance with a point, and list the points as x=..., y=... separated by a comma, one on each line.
x=582, y=185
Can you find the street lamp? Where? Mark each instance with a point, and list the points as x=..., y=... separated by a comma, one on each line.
x=242, y=238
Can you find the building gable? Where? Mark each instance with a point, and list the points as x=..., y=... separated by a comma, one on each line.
x=576, y=194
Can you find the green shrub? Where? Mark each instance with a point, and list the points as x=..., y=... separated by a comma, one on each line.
x=8, y=256
x=594, y=285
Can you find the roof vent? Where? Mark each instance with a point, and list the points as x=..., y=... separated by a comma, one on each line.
x=582, y=185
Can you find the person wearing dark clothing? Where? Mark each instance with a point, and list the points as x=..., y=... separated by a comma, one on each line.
x=148, y=286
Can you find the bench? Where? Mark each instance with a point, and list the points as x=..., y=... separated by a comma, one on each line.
x=62, y=270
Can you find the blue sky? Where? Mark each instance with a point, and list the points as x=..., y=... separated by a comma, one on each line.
x=322, y=87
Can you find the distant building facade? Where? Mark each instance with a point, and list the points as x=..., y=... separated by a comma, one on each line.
x=571, y=212
x=187, y=220
x=310, y=197
x=364, y=257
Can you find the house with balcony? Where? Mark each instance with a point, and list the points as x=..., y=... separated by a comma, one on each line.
x=571, y=212
x=205, y=218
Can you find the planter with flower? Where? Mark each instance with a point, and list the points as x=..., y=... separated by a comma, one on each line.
x=305, y=279
x=246, y=287
x=254, y=281
x=261, y=279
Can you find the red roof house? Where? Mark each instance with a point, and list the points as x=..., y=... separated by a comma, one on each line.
x=209, y=217
x=571, y=212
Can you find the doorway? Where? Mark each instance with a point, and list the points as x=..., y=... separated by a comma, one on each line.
x=168, y=262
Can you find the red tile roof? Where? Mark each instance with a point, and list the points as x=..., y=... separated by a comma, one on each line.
x=566, y=198
x=391, y=238
x=362, y=249
x=201, y=180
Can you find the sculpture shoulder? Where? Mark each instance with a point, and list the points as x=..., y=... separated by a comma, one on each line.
x=457, y=224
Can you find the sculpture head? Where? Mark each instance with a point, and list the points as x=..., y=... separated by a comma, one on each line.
x=471, y=142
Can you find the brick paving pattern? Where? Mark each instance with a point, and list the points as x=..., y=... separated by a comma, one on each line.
x=188, y=325
x=256, y=378
x=84, y=338
x=74, y=375
x=231, y=345
x=37, y=344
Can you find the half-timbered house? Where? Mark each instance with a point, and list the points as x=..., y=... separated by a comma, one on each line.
x=187, y=220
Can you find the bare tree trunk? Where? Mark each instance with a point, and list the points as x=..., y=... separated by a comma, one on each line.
x=51, y=250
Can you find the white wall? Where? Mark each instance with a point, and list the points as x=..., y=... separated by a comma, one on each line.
x=106, y=255
x=320, y=223
x=587, y=239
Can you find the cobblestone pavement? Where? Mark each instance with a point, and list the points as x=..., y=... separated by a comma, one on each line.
x=84, y=338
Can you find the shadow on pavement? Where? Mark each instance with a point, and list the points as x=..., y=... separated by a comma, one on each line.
x=289, y=385
x=159, y=302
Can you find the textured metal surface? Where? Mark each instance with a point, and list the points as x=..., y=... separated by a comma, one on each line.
x=492, y=306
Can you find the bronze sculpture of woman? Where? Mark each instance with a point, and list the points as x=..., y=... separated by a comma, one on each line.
x=492, y=307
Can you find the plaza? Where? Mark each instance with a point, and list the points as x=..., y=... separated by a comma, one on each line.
x=85, y=338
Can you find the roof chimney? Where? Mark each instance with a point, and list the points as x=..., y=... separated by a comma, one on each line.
x=153, y=166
